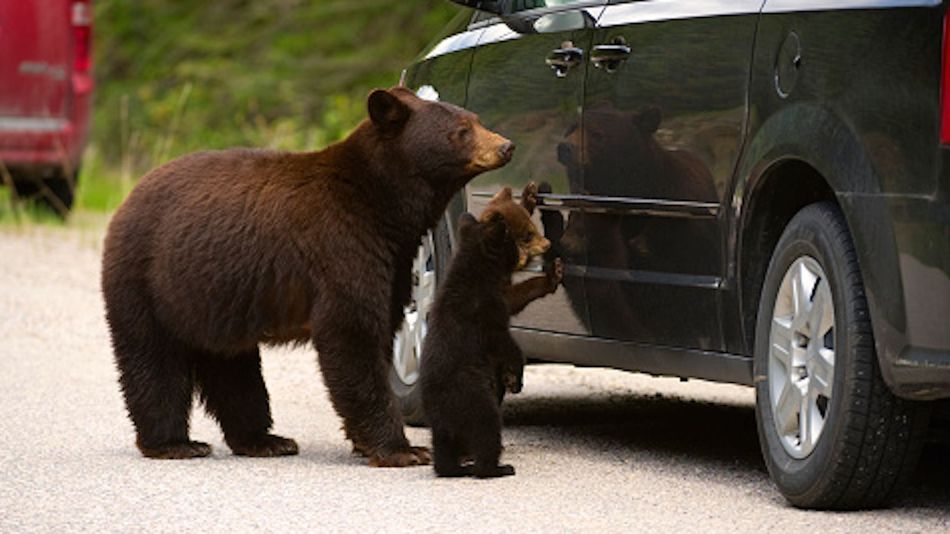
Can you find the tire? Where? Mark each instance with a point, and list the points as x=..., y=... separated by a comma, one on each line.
x=430, y=266
x=53, y=191
x=64, y=189
x=858, y=443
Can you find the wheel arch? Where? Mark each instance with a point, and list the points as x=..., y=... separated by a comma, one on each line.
x=805, y=153
x=782, y=190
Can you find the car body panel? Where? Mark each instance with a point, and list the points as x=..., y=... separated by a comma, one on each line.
x=869, y=127
x=44, y=101
x=663, y=129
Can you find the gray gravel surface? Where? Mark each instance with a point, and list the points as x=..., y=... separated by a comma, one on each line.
x=595, y=450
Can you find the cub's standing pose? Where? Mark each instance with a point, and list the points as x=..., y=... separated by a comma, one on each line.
x=531, y=244
x=470, y=356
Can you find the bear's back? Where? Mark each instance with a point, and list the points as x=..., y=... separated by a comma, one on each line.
x=209, y=236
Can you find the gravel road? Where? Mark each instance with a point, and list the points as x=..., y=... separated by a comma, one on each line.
x=595, y=450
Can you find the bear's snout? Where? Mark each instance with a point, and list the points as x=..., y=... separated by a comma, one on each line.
x=491, y=151
x=506, y=150
x=565, y=153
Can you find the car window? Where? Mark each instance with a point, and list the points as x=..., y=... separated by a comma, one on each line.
x=482, y=16
x=525, y=5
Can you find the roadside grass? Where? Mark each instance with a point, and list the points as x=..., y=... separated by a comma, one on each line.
x=100, y=190
x=103, y=183
x=176, y=77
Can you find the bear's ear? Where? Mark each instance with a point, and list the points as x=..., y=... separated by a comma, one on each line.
x=648, y=120
x=501, y=196
x=466, y=223
x=386, y=110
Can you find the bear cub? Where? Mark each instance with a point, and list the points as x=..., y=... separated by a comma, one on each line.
x=531, y=244
x=470, y=356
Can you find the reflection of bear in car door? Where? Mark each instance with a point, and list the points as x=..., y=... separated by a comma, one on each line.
x=527, y=80
x=661, y=134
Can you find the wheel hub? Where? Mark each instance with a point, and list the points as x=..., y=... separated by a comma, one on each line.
x=801, y=356
x=407, y=346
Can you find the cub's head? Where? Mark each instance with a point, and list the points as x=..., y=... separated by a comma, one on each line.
x=518, y=218
x=443, y=141
x=491, y=238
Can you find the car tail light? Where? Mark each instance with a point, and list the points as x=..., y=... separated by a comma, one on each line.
x=81, y=20
x=945, y=84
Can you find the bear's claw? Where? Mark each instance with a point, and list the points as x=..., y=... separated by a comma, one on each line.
x=265, y=446
x=176, y=451
x=503, y=470
x=414, y=456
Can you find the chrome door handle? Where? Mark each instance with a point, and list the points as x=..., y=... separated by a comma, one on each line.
x=610, y=56
x=563, y=59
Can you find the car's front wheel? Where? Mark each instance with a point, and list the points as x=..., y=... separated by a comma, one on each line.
x=407, y=346
x=832, y=434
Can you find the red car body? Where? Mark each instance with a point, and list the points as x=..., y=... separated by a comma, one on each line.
x=45, y=86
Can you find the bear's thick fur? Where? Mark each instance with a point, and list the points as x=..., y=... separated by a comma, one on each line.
x=468, y=346
x=217, y=252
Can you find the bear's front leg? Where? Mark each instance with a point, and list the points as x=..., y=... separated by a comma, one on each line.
x=519, y=295
x=233, y=391
x=511, y=361
x=354, y=359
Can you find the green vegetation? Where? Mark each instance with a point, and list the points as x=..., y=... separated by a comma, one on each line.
x=175, y=76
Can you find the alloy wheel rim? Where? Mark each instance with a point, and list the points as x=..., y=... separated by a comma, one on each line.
x=802, y=356
x=407, y=346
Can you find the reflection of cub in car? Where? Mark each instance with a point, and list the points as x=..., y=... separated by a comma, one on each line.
x=615, y=154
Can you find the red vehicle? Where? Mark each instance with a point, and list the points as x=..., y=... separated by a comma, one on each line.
x=45, y=95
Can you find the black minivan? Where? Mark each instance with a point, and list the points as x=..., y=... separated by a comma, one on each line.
x=744, y=191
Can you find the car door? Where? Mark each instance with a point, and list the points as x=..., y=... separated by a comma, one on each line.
x=665, y=109
x=527, y=83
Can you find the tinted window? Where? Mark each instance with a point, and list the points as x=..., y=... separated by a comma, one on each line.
x=524, y=5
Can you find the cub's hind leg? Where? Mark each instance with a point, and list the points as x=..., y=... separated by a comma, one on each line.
x=485, y=441
x=447, y=455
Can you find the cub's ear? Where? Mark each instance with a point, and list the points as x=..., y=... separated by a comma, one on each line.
x=466, y=224
x=386, y=110
x=502, y=196
x=648, y=119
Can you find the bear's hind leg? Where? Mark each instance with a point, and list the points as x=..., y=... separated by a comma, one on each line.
x=447, y=455
x=233, y=391
x=485, y=442
x=156, y=377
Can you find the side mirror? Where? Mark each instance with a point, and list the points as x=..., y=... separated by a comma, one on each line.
x=491, y=6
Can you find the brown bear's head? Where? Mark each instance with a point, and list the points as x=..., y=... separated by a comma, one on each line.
x=492, y=238
x=441, y=140
x=608, y=132
x=518, y=218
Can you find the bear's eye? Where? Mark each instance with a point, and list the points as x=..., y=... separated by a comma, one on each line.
x=464, y=132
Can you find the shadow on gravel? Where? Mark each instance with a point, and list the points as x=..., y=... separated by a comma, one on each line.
x=698, y=435
x=681, y=429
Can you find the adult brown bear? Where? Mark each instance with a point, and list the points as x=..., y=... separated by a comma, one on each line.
x=217, y=252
